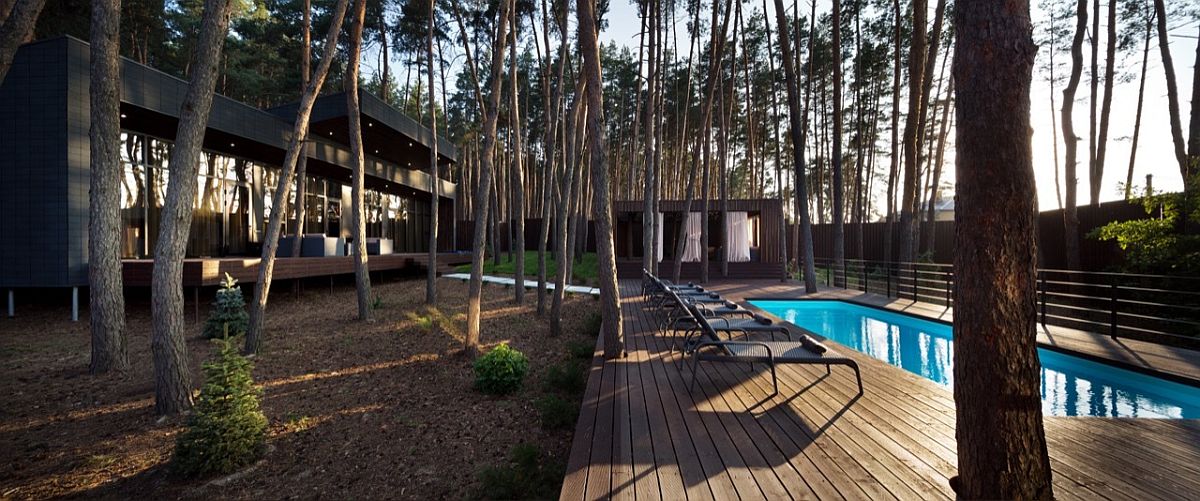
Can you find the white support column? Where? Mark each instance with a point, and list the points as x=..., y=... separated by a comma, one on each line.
x=74, y=304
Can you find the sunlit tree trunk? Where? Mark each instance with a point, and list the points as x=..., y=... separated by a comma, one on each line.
x=795, y=117
x=1137, y=120
x=434, y=190
x=270, y=242
x=839, y=236
x=650, y=148
x=475, y=286
x=105, y=294
x=1071, y=141
x=553, y=104
x=894, y=156
x=912, y=123
x=1110, y=60
x=172, y=378
x=358, y=228
x=1164, y=48
x=518, y=177
x=606, y=268
x=302, y=164
x=16, y=30
x=1001, y=442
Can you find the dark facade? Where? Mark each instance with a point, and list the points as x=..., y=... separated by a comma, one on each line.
x=44, y=171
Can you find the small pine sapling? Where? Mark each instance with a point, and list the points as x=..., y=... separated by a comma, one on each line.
x=229, y=315
x=227, y=430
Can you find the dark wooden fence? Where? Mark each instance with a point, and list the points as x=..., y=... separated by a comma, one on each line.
x=1156, y=308
x=1095, y=255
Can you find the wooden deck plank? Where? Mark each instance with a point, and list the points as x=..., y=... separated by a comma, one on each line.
x=725, y=439
x=579, y=461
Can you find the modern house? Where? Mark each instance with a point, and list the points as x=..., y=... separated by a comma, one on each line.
x=44, y=173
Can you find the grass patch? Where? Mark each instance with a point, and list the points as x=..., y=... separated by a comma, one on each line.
x=582, y=273
x=294, y=423
x=557, y=413
x=581, y=349
x=529, y=475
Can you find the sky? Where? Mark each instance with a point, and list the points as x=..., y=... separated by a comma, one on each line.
x=1155, y=151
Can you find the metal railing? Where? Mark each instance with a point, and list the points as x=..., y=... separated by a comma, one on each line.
x=1158, y=308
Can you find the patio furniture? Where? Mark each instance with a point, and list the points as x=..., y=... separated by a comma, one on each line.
x=379, y=246
x=807, y=351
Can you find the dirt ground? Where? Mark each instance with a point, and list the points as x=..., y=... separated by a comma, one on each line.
x=356, y=410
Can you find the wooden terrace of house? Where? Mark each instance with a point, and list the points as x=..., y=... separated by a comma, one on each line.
x=642, y=434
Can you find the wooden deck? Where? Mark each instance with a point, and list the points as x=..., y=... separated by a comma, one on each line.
x=642, y=434
x=203, y=272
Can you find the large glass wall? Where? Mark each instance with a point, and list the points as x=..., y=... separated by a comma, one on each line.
x=229, y=213
x=222, y=214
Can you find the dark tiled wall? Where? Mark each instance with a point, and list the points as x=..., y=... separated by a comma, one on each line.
x=35, y=238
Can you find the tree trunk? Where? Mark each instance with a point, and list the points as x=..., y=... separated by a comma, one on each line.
x=1110, y=60
x=936, y=176
x=894, y=158
x=518, y=177
x=1001, y=443
x=839, y=237
x=1094, y=75
x=358, y=224
x=1164, y=48
x=302, y=163
x=916, y=78
x=606, y=268
x=1137, y=120
x=16, y=30
x=434, y=191
x=172, y=379
x=262, y=289
x=1071, y=141
x=475, y=287
x=105, y=293
x=795, y=117
x=553, y=103
x=562, y=225
x=650, y=148
x=1194, y=125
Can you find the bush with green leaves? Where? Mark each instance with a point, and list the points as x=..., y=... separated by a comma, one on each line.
x=581, y=349
x=227, y=429
x=1165, y=242
x=529, y=475
x=501, y=371
x=569, y=379
x=557, y=413
x=228, y=317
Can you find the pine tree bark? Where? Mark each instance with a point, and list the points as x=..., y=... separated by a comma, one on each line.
x=1071, y=141
x=1094, y=79
x=1164, y=48
x=16, y=30
x=302, y=164
x=916, y=78
x=1137, y=120
x=606, y=268
x=794, y=120
x=105, y=294
x=1194, y=125
x=894, y=158
x=172, y=379
x=1001, y=441
x=434, y=183
x=491, y=113
x=358, y=224
x=296, y=147
x=1110, y=60
x=562, y=226
x=839, y=219
x=518, y=176
x=549, y=165
x=650, y=148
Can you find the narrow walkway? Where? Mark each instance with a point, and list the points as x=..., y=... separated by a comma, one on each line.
x=529, y=284
x=641, y=433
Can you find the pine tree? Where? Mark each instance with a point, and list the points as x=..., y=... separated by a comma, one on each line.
x=228, y=429
x=229, y=311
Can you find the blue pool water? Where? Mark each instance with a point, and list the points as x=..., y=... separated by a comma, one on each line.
x=1071, y=386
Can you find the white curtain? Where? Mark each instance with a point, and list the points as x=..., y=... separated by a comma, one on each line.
x=691, y=251
x=737, y=228
x=658, y=227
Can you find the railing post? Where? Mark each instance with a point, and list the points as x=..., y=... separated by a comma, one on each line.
x=948, y=289
x=1043, y=293
x=1113, y=318
x=914, y=282
x=845, y=282
x=866, y=285
x=888, y=272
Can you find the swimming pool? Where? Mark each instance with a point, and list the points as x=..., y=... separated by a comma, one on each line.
x=1071, y=386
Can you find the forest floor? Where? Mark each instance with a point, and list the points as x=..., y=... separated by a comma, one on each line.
x=379, y=410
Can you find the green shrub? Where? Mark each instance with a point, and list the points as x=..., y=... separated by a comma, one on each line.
x=591, y=326
x=557, y=413
x=500, y=371
x=228, y=316
x=570, y=379
x=227, y=429
x=527, y=476
x=581, y=349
